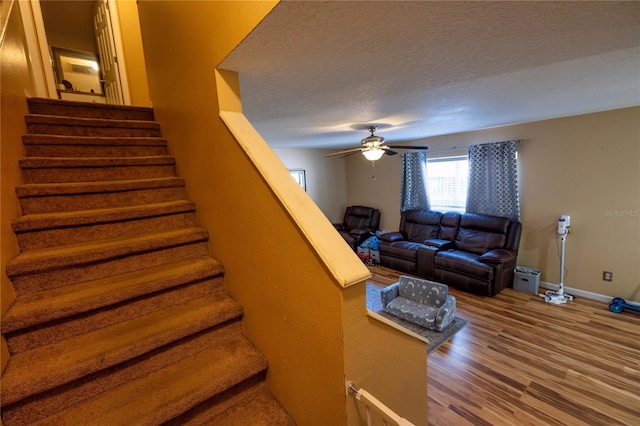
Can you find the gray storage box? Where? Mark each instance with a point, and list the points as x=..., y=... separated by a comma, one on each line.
x=526, y=279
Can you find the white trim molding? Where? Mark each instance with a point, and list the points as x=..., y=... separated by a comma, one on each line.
x=582, y=293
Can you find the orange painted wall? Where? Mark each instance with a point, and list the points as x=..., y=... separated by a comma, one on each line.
x=292, y=307
x=16, y=84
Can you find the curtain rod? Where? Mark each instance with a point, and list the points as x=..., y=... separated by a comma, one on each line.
x=458, y=148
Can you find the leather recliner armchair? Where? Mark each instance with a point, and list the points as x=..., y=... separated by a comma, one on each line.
x=359, y=223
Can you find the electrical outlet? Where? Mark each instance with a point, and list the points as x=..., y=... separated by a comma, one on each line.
x=607, y=276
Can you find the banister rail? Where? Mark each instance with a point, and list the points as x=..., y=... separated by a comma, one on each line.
x=373, y=406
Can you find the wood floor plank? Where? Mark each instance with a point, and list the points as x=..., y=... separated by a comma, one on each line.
x=523, y=362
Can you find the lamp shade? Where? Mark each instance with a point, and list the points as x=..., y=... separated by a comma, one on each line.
x=373, y=154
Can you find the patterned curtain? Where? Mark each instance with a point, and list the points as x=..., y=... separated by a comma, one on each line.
x=413, y=189
x=493, y=180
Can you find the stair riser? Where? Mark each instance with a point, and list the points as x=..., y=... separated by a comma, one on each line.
x=61, y=129
x=75, y=202
x=93, y=150
x=96, y=174
x=81, y=272
x=52, y=332
x=47, y=403
x=79, y=234
x=90, y=111
x=208, y=412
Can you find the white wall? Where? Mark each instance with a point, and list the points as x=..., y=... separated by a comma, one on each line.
x=326, y=178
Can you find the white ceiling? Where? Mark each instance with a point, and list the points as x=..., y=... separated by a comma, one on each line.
x=314, y=74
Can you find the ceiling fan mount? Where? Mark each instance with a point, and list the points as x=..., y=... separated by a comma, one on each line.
x=373, y=147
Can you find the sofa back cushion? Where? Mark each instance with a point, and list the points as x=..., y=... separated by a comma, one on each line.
x=480, y=233
x=449, y=226
x=422, y=291
x=420, y=225
x=357, y=217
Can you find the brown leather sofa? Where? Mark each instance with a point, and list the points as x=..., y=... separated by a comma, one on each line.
x=469, y=251
x=358, y=224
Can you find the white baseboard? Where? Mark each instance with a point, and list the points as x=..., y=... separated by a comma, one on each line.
x=586, y=294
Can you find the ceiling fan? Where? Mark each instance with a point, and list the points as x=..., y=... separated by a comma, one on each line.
x=373, y=147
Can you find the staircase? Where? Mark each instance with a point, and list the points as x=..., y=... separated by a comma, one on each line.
x=121, y=316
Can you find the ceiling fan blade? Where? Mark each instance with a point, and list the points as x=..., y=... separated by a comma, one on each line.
x=348, y=154
x=390, y=152
x=408, y=147
x=344, y=151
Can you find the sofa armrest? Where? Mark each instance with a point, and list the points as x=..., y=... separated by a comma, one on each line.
x=446, y=313
x=437, y=244
x=357, y=232
x=388, y=294
x=391, y=237
x=339, y=226
x=498, y=256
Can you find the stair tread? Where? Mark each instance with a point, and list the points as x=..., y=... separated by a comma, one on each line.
x=75, y=254
x=90, y=122
x=46, y=367
x=61, y=102
x=36, y=189
x=67, y=162
x=42, y=221
x=61, y=302
x=39, y=139
x=260, y=408
x=169, y=391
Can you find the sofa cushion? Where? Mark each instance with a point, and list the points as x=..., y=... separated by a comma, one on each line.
x=421, y=291
x=415, y=312
x=465, y=263
x=449, y=226
x=480, y=233
x=420, y=225
x=401, y=249
x=359, y=217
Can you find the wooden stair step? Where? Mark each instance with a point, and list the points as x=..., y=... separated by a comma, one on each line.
x=172, y=390
x=74, y=126
x=42, y=269
x=37, y=231
x=50, y=305
x=47, y=367
x=47, y=106
x=92, y=146
x=71, y=196
x=80, y=169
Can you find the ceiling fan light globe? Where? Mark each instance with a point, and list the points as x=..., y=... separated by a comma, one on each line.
x=373, y=154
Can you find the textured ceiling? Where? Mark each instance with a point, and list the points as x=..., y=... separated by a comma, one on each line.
x=315, y=74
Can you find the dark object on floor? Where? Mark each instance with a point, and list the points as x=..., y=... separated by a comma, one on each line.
x=359, y=223
x=618, y=304
x=473, y=252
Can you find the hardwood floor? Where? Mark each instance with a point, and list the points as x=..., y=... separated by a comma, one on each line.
x=521, y=361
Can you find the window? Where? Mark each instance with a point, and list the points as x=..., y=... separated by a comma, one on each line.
x=300, y=176
x=447, y=179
